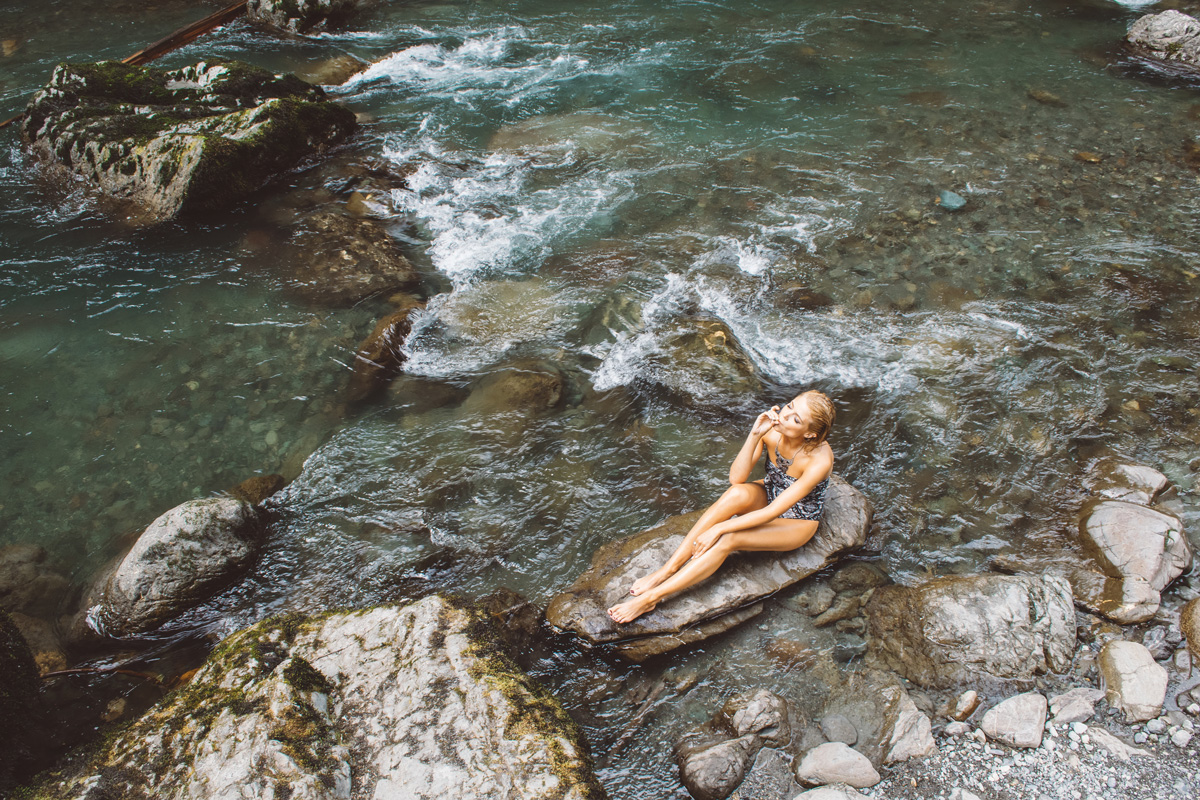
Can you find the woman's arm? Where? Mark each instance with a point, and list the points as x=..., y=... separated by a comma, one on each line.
x=747, y=457
x=817, y=470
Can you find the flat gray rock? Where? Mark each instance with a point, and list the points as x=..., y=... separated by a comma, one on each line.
x=1134, y=682
x=742, y=580
x=834, y=762
x=1017, y=721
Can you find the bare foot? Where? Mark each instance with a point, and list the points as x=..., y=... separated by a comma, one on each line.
x=631, y=609
x=647, y=582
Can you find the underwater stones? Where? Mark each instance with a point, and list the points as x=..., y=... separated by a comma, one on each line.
x=258, y=488
x=954, y=630
x=1133, y=552
x=28, y=584
x=337, y=260
x=555, y=135
x=332, y=71
x=700, y=363
x=301, y=16
x=181, y=559
x=381, y=355
x=1118, y=480
x=951, y=201
x=173, y=141
x=741, y=582
x=714, y=758
x=417, y=701
x=522, y=386
x=1170, y=36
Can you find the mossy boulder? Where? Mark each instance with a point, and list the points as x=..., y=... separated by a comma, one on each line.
x=419, y=701
x=173, y=141
x=301, y=16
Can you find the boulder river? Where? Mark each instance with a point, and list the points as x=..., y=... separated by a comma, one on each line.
x=688, y=211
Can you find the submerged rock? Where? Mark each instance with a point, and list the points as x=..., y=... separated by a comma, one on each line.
x=522, y=386
x=171, y=141
x=185, y=556
x=338, y=260
x=380, y=356
x=301, y=16
x=1170, y=36
x=955, y=630
x=417, y=701
x=696, y=357
x=742, y=580
x=1118, y=480
x=711, y=766
x=28, y=583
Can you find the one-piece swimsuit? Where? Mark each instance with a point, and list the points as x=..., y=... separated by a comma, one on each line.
x=810, y=507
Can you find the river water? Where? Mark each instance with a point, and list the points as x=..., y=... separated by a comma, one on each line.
x=579, y=183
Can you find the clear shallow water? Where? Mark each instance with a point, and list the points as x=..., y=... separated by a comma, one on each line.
x=580, y=185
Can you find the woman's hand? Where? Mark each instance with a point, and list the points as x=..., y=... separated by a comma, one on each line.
x=765, y=422
x=706, y=540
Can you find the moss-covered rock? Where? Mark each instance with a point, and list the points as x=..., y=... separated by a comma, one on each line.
x=172, y=141
x=301, y=16
x=419, y=701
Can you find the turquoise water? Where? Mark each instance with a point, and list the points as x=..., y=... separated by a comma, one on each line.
x=579, y=184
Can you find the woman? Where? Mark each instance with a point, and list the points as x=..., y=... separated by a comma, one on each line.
x=780, y=513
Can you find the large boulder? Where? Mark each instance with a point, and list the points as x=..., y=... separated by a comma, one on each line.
x=1171, y=37
x=172, y=141
x=301, y=16
x=954, y=630
x=1134, y=682
x=728, y=598
x=1133, y=552
x=181, y=559
x=418, y=702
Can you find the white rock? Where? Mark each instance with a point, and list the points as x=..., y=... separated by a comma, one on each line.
x=912, y=732
x=960, y=793
x=1156, y=725
x=1018, y=721
x=1114, y=745
x=835, y=762
x=838, y=791
x=957, y=729
x=1134, y=683
x=1076, y=705
x=1181, y=738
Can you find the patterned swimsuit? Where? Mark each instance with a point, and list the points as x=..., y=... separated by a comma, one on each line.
x=811, y=507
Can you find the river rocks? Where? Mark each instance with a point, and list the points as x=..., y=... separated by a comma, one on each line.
x=528, y=386
x=712, y=766
x=417, y=701
x=1170, y=36
x=963, y=706
x=28, y=583
x=700, y=363
x=741, y=581
x=337, y=260
x=1017, y=721
x=181, y=559
x=1118, y=480
x=173, y=141
x=834, y=762
x=835, y=792
x=1076, y=705
x=258, y=488
x=301, y=16
x=1134, y=551
x=956, y=630
x=874, y=712
x=1134, y=683
x=381, y=355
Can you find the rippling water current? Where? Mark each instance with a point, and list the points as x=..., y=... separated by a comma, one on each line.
x=579, y=182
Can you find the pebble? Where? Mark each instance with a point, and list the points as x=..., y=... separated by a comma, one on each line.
x=951, y=201
x=1181, y=738
x=1156, y=725
x=1140, y=737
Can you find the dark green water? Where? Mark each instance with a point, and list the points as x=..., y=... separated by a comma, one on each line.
x=581, y=180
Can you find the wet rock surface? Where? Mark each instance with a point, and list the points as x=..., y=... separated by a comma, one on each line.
x=182, y=558
x=1169, y=36
x=29, y=583
x=380, y=356
x=302, y=16
x=334, y=259
x=173, y=141
x=529, y=386
x=741, y=581
x=299, y=702
x=962, y=629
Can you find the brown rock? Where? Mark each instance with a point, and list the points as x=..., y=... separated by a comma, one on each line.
x=338, y=260
x=258, y=488
x=28, y=584
x=522, y=386
x=380, y=356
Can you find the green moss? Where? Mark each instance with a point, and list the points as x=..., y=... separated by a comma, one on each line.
x=302, y=677
x=535, y=711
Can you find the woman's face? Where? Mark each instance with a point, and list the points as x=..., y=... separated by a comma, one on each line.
x=794, y=420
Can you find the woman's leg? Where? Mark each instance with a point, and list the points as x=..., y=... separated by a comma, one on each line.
x=778, y=534
x=740, y=499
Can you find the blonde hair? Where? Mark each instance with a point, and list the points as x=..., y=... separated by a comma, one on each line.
x=823, y=413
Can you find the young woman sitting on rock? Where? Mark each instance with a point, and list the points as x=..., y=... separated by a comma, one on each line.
x=780, y=512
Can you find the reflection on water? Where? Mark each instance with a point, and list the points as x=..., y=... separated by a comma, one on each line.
x=588, y=187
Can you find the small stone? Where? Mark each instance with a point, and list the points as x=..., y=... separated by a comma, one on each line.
x=1079, y=728
x=272, y=438
x=964, y=706
x=957, y=729
x=1140, y=737
x=1045, y=98
x=1088, y=157
x=951, y=201
x=1181, y=738
x=1194, y=709
x=1157, y=725
x=1018, y=721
